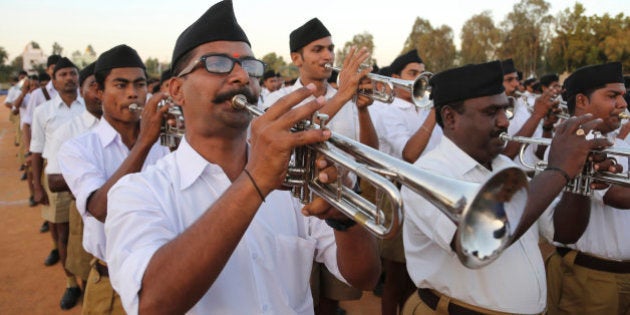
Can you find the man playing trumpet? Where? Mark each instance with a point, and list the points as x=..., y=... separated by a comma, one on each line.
x=588, y=276
x=470, y=106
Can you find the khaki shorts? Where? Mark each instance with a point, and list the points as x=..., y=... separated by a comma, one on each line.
x=325, y=284
x=59, y=205
x=78, y=260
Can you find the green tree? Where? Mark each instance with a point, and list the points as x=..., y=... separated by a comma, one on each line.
x=57, y=49
x=480, y=39
x=274, y=62
x=89, y=50
x=35, y=44
x=4, y=56
x=525, y=30
x=421, y=27
x=435, y=46
x=153, y=67
x=364, y=39
x=568, y=48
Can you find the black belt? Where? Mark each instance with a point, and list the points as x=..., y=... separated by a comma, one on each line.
x=102, y=269
x=595, y=263
x=431, y=300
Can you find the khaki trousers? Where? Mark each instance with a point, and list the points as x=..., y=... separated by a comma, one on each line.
x=78, y=260
x=574, y=289
x=100, y=297
x=415, y=306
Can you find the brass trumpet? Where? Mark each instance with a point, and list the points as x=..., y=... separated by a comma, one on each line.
x=383, y=87
x=581, y=184
x=478, y=209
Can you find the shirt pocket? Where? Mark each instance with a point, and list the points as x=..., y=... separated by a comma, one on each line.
x=294, y=261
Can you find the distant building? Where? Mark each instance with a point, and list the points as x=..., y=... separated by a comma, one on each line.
x=85, y=58
x=32, y=57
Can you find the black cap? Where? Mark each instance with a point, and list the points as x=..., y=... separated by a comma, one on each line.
x=269, y=74
x=52, y=60
x=307, y=33
x=218, y=23
x=63, y=63
x=86, y=73
x=508, y=66
x=386, y=71
x=43, y=76
x=466, y=82
x=592, y=77
x=121, y=56
x=403, y=60
x=549, y=78
x=166, y=74
x=22, y=72
x=626, y=80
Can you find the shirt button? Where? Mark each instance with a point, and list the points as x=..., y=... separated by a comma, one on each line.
x=254, y=256
x=265, y=308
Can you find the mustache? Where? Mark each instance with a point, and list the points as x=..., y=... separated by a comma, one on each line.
x=227, y=96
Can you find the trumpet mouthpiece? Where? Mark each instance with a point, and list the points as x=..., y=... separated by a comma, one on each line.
x=239, y=102
x=624, y=115
x=135, y=107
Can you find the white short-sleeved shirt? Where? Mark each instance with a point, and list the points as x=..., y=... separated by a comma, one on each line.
x=269, y=270
x=397, y=122
x=78, y=125
x=38, y=98
x=345, y=122
x=608, y=229
x=50, y=116
x=86, y=163
x=13, y=93
x=515, y=282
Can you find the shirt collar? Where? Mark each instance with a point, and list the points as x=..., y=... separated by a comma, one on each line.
x=106, y=132
x=462, y=163
x=190, y=164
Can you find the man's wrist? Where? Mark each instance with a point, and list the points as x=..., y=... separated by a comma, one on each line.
x=340, y=225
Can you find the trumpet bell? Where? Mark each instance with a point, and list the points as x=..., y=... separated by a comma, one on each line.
x=484, y=230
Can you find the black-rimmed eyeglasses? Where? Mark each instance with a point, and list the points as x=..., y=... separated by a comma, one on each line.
x=223, y=64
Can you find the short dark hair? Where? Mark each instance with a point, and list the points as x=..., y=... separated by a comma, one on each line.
x=181, y=63
x=456, y=106
x=570, y=99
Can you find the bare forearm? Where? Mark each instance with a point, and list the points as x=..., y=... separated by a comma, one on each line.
x=57, y=183
x=173, y=286
x=528, y=129
x=36, y=167
x=571, y=217
x=618, y=197
x=97, y=203
x=367, y=132
x=542, y=190
x=416, y=144
x=357, y=257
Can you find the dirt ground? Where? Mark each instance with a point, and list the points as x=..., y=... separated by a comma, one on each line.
x=27, y=286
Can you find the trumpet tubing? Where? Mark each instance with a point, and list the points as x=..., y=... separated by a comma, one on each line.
x=478, y=209
x=383, y=87
x=581, y=184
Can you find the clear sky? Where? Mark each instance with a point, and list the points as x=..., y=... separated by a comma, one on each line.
x=151, y=27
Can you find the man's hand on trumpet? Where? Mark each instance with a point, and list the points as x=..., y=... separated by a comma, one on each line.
x=352, y=72
x=570, y=147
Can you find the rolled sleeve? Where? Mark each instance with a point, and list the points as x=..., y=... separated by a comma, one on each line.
x=136, y=227
x=80, y=173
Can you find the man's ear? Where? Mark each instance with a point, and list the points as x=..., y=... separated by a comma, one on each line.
x=449, y=117
x=175, y=90
x=581, y=102
x=296, y=58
